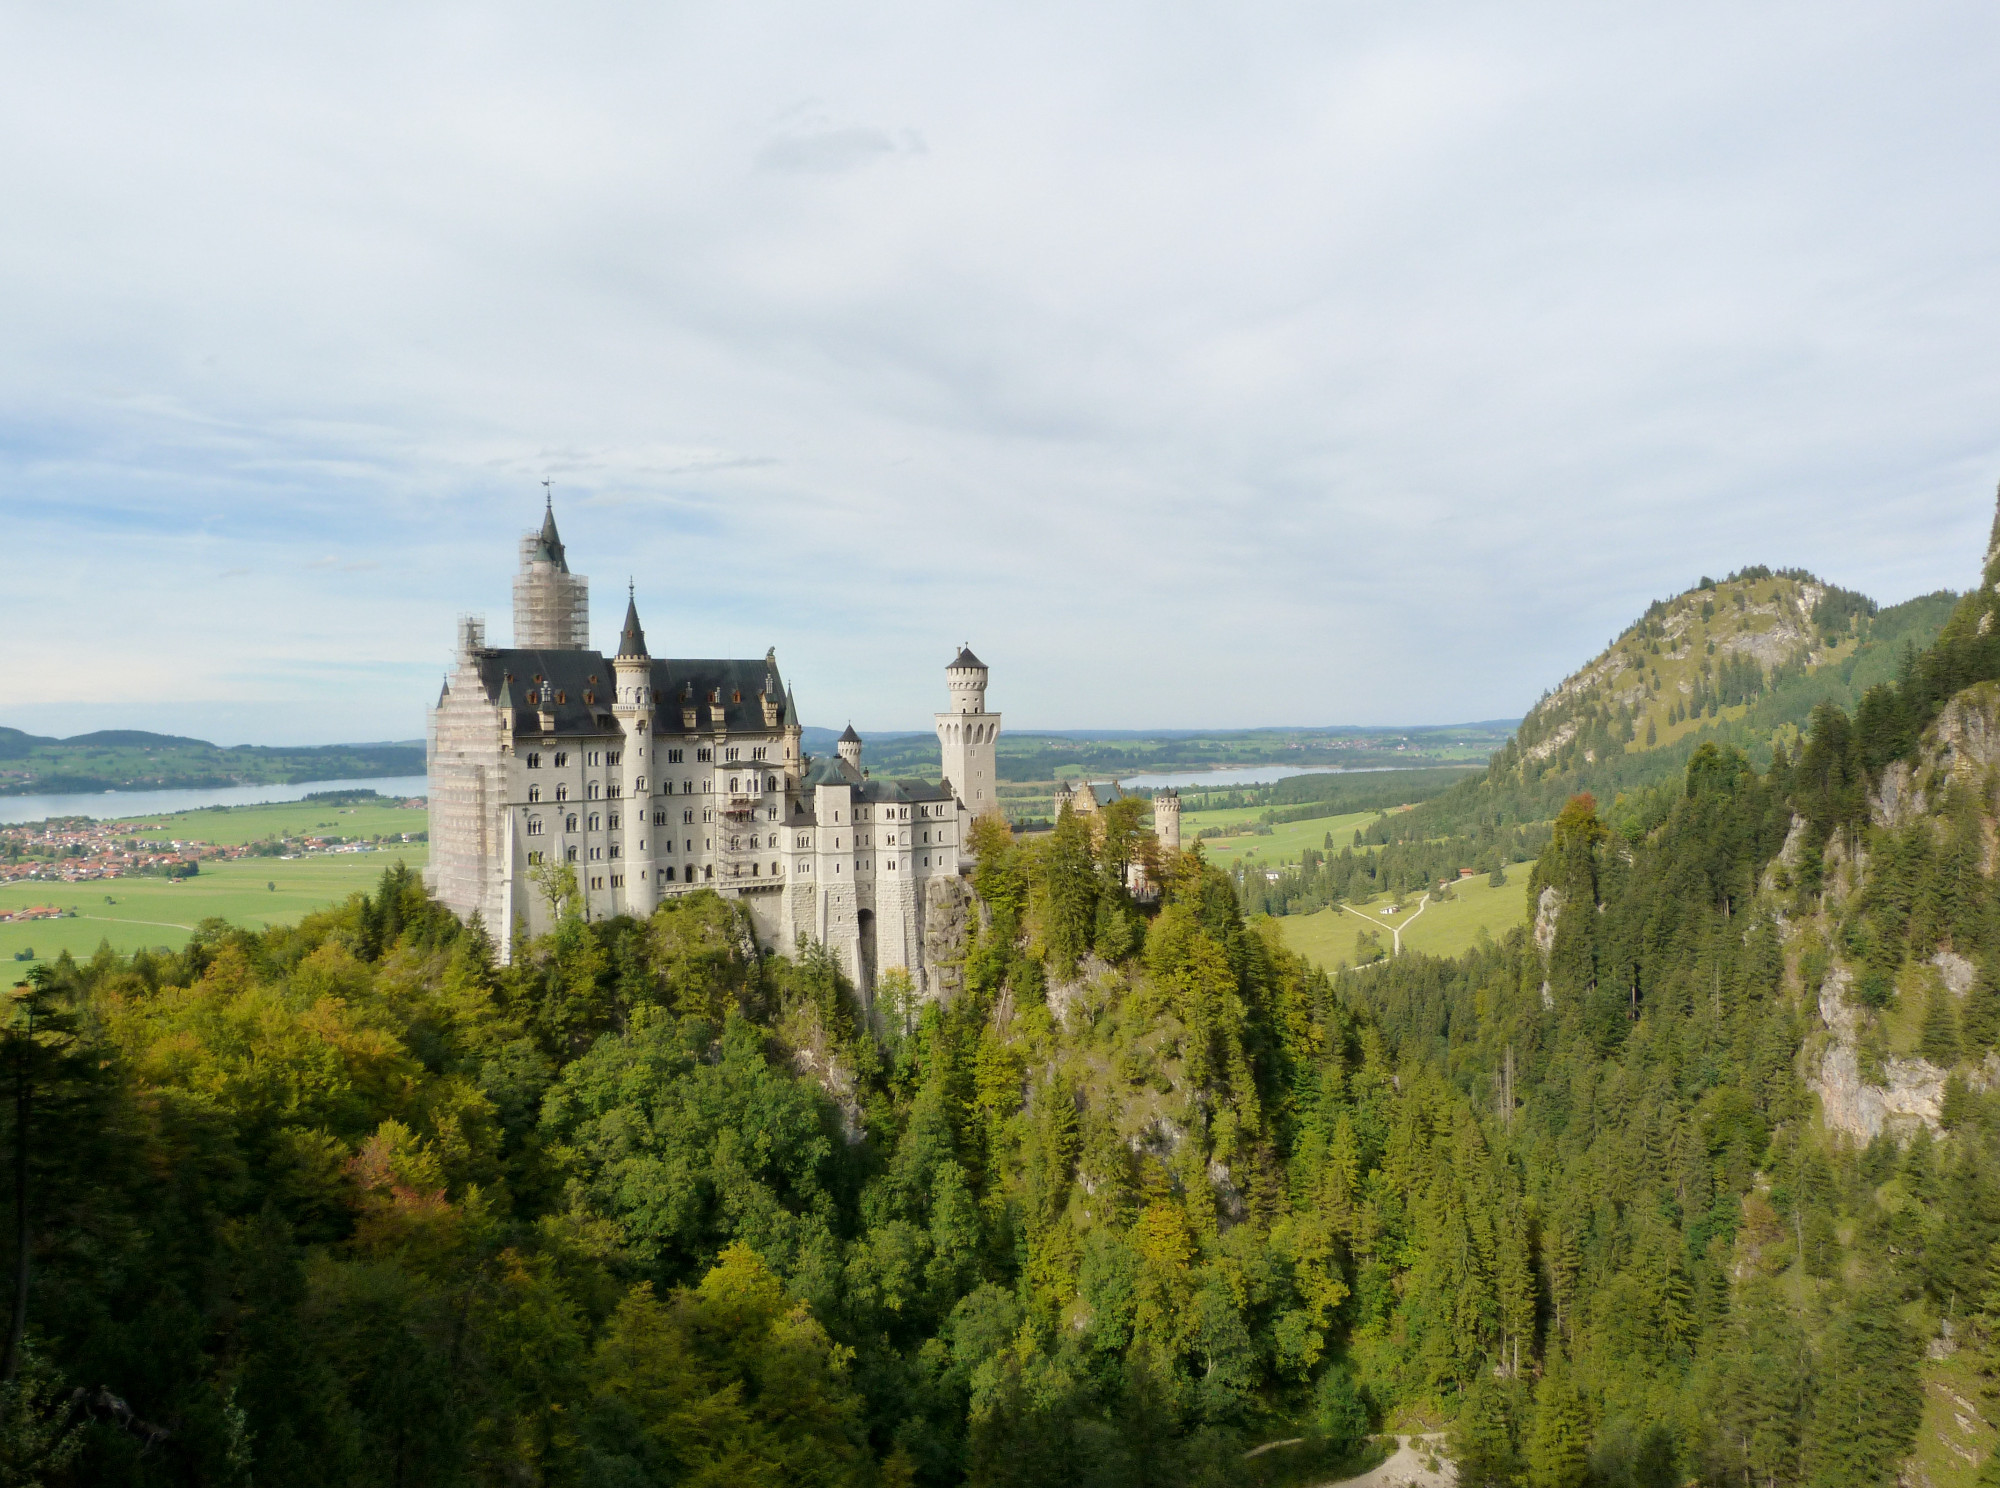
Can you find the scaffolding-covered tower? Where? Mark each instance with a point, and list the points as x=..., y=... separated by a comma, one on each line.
x=551, y=604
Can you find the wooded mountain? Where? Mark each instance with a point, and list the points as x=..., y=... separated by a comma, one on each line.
x=130, y=759
x=1694, y=1180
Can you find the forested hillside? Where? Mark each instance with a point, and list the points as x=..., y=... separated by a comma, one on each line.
x=1693, y=1180
x=128, y=759
x=1741, y=664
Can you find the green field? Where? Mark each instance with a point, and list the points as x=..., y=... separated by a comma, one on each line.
x=1284, y=844
x=1447, y=929
x=227, y=826
x=161, y=911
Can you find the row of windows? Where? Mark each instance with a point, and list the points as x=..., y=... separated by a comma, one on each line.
x=561, y=758
x=667, y=875
x=609, y=822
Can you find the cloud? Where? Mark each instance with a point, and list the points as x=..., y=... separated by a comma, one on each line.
x=1321, y=364
x=832, y=152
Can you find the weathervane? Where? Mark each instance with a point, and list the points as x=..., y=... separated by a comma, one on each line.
x=548, y=495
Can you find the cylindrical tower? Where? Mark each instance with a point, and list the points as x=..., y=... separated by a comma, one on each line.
x=1167, y=819
x=968, y=736
x=634, y=707
x=850, y=747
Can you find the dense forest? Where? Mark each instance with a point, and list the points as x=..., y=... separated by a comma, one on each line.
x=353, y=1203
x=126, y=759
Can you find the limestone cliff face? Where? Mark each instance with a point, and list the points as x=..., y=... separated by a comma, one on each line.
x=1912, y=1094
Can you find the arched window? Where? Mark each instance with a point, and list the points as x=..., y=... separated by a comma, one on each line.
x=534, y=761
x=562, y=793
x=593, y=821
x=534, y=826
x=593, y=790
x=534, y=793
x=561, y=759
x=734, y=785
x=770, y=782
x=569, y=825
x=666, y=875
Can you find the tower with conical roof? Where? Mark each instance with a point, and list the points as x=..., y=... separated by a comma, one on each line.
x=849, y=746
x=551, y=604
x=968, y=735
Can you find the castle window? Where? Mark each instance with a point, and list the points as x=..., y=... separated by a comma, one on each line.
x=613, y=819
x=927, y=836
x=534, y=761
x=534, y=793
x=703, y=756
x=770, y=813
x=612, y=756
x=734, y=843
x=590, y=758
x=640, y=785
x=673, y=756
x=707, y=870
x=569, y=855
x=562, y=758
x=688, y=817
x=707, y=786
x=534, y=826
x=770, y=782
x=892, y=865
x=562, y=793
x=730, y=754
x=659, y=818
x=804, y=866
x=569, y=825
x=597, y=855
x=708, y=816
x=736, y=695
x=593, y=790
x=758, y=753
x=687, y=787
x=773, y=841
x=805, y=841
x=615, y=851
x=562, y=697
x=534, y=858
x=611, y=789
x=593, y=821
x=734, y=785
x=666, y=875
x=617, y=880
x=589, y=696
x=596, y=881
x=754, y=869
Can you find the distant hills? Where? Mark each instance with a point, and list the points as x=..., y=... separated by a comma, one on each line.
x=132, y=759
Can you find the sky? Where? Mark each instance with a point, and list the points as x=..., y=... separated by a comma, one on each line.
x=1202, y=366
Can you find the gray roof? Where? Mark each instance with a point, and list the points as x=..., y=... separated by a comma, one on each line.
x=580, y=688
x=548, y=547
x=632, y=640
x=850, y=737
x=967, y=659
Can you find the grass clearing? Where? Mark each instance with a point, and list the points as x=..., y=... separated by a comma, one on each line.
x=1450, y=928
x=163, y=912
x=228, y=826
x=1286, y=842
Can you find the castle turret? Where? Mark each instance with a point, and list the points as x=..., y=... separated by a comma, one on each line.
x=968, y=735
x=634, y=707
x=551, y=604
x=850, y=747
x=1167, y=819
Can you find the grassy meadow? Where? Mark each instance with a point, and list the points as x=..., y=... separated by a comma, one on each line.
x=1447, y=929
x=132, y=913
x=1285, y=843
x=229, y=826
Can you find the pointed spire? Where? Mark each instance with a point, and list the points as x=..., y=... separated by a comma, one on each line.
x=632, y=641
x=850, y=737
x=548, y=545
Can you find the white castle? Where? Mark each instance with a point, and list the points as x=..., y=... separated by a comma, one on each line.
x=654, y=777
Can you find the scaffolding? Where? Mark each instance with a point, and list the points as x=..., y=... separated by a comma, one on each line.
x=551, y=604
x=740, y=856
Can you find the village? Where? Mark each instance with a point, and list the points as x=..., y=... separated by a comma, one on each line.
x=82, y=850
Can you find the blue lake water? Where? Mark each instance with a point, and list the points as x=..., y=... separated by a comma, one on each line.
x=1240, y=775
x=122, y=805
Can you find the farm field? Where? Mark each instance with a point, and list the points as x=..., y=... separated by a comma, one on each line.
x=229, y=826
x=1448, y=929
x=163, y=912
x=1284, y=844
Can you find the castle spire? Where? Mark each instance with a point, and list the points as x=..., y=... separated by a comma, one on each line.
x=632, y=641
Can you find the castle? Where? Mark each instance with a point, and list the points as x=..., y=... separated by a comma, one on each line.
x=653, y=777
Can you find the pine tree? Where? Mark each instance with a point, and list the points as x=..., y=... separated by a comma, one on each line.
x=1979, y=1019
x=1868, y=1408
x=1559, y=1444
x=1940, y=1035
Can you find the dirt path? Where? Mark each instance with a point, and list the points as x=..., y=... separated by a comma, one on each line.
x=1409, y=1465
x=1395, y=931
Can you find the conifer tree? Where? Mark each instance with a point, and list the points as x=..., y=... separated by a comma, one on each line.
x=1940, y=1034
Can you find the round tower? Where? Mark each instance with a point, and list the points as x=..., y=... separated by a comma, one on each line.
x=968, y=735
x=850, y=747
x=1167, y=819
x=966, y=680
x=633, y=668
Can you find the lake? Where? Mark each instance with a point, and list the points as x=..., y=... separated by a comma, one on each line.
x=117, y=805
x=1243, y=775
